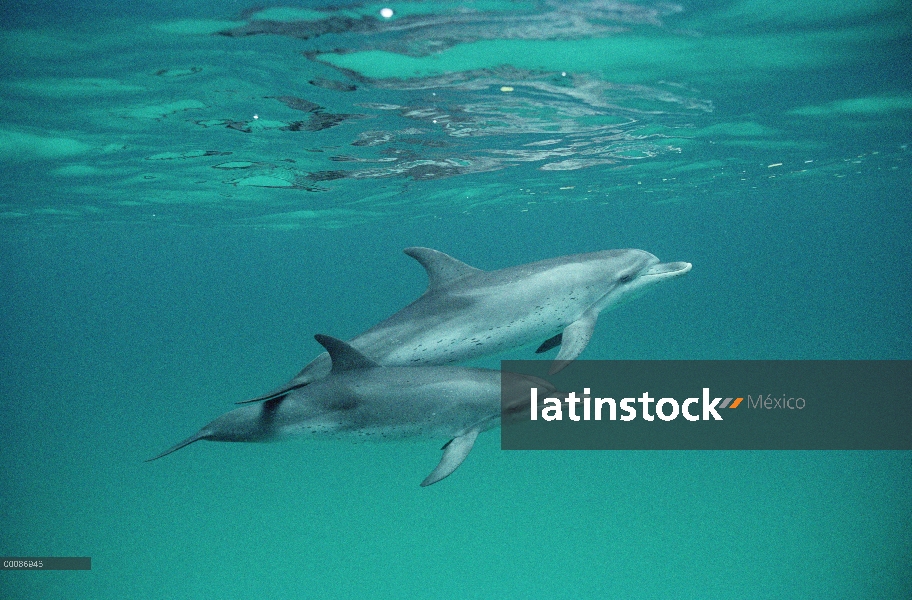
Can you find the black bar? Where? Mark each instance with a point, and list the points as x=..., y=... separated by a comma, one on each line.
x=44, y=563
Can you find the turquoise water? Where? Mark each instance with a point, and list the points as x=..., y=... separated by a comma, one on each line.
x=191, y=192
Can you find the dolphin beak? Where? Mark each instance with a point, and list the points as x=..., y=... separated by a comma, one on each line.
x=666, y=270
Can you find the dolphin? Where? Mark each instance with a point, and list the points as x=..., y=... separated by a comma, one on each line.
x=361, y=399
x=466, y=312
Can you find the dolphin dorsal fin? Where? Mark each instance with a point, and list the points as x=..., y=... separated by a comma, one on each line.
x=441, y=268
x=343, y=356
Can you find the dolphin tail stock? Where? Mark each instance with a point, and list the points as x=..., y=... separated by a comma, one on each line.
x=454, y=452
x=193, y=438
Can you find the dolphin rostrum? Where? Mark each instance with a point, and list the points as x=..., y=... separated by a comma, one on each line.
x=466, y=312
x=361, y=399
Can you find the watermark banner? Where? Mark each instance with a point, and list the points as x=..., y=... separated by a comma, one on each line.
x=709, y=405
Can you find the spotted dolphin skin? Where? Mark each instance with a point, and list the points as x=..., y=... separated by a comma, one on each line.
x=361, y=399
x=466, y=313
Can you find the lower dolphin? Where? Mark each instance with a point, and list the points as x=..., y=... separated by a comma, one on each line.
x=361, y=399
x=466, y=312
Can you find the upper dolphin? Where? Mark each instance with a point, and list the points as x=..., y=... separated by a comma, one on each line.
x=467, y=312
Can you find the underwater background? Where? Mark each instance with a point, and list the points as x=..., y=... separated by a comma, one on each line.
x=192, y=190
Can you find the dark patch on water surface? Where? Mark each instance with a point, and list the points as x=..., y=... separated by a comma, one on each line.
x=331, y=84
x=296, y=103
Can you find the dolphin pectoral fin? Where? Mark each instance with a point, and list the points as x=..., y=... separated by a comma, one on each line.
x=193, y=438
x=575, y=338
x=454, y=452
x=549, y=343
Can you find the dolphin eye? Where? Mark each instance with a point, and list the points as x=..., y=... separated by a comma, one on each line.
x=626, y=278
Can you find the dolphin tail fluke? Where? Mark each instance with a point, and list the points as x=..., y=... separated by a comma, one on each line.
x=574, y=340
x=454, y=452
x=297, y=382
x=193, y=438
